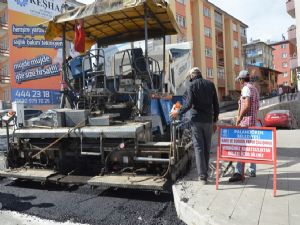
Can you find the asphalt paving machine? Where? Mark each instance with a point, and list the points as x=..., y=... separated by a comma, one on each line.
x=109, y=130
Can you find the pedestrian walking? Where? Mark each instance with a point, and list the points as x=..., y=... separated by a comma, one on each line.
x=280, y=93
x=247, y=116
x=202, y=100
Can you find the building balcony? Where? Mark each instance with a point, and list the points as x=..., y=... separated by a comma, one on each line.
x=220, y=63
x=219, y=25
x=254, y=53
x=4, y=81
x=3, y=5
x=243, y=39
x=293, y=62
x=292, y=34
x=3, y=30
x=221, y=76
x=221, y=82
x=220, y=44
x=290, y=8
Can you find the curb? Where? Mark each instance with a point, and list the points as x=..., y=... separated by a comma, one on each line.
x=187, y=214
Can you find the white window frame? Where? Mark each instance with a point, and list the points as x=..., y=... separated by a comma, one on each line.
x=221, y=73
x=207, y=31
x=209, y=72
x=243, y=31
x=206, y=12
x=235, y=44
x=234, y=27
x=236, y=61
x=284, y=64
x=208, y=52
x=284, y=55
x=181, y=21
x=285, y=74
x=218, y=17
x=283, y=45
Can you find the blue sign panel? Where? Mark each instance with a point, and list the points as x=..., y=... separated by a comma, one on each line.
x=36, y=97
x=246, y=133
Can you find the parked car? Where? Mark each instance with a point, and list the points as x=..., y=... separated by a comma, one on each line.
x=281, y=119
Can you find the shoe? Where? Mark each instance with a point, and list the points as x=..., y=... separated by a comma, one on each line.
x=203, y=180
x=235, y=177
x=250, y=173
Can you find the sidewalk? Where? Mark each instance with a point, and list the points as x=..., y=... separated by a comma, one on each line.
x=249, y=202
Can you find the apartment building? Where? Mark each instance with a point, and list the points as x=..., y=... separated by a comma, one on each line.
x=212, y=30
x=4, y=53
x=259, y=53
x=285, y=61
x=293, y=9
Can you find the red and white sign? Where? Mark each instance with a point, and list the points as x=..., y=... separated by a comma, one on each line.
x=247, y=145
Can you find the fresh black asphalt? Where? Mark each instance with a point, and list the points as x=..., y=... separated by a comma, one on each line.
x=84, y=205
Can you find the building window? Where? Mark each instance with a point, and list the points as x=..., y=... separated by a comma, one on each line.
x=221, y=73
x=285, y=83
x=3, y=44
x=243, y=31
x=284, y=55
x=6, y=95
x=206, y=11
x=218, y=18
x=284, y=65
x=252, y=61
x=3, y=18
x=207, y=31
x=235, y=44
x=283, y=45
x=208, y=52
x=4, y=71
x=234, y=27
x=209, y=72
x=285, y=74
x=236, y=61
x=181, y=1
x=180, y=20
x=259, y=51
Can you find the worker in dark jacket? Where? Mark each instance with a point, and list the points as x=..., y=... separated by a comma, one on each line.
x=203, y=102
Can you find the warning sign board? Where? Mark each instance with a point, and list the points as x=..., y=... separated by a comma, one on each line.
x=247, y=145
x=252, y=144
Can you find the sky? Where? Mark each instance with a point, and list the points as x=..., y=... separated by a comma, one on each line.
x=267, y=19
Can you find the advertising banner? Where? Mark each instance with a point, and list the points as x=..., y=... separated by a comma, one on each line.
x=35, y=64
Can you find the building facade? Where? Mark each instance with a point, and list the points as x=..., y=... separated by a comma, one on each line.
x=265, y=79
x=4, y=53
x=212, y=30
x=259, y=53
x=285, y=61
x=293, y=9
